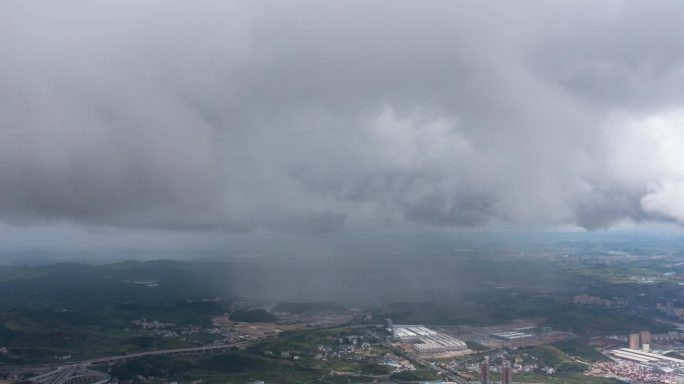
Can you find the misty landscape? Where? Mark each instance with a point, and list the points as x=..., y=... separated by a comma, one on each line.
x=469, y=192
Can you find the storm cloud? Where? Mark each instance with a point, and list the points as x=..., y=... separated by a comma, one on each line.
x=309, y=116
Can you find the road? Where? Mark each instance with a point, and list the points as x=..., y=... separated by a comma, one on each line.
x=176, y=351
x=71, y=374
x=62, y=373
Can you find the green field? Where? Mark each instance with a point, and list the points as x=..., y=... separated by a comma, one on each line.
x=564, y=379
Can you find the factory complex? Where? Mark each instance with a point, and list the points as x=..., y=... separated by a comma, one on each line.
x=638, y=362
x=512, y=335
x=649, y=358
x=427, y=341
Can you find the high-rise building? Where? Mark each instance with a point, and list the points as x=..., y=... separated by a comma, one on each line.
x=389, y=328
x=506, y=373
x=484, y=371
x=633, y=341
x=645, y=340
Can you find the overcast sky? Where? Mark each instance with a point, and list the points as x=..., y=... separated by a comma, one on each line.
x=331, y=116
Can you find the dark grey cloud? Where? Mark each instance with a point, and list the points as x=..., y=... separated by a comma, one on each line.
x=307, y=116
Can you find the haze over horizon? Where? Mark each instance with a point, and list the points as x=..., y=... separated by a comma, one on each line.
x=162, y=124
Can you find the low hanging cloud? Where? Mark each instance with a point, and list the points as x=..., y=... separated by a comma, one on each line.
x=308, y=117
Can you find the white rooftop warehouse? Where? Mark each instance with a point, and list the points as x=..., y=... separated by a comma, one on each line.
x=646, y=357
x=426, y=340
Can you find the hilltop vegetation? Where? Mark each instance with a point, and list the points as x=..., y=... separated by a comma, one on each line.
x=581, y=351
x=87, y=310
x=252, y=316
x=555, y=358
x=306, y=307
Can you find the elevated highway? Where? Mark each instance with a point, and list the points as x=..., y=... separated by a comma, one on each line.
x=209, y=349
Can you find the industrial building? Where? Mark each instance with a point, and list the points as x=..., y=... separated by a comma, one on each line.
x=512, y=335
x=647, y=358
x=427, y=341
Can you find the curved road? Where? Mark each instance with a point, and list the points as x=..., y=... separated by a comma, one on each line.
x=64, y=374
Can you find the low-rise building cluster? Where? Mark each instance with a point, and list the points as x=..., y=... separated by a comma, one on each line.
x=186, y=332
x=633, y=371
x=585, y=299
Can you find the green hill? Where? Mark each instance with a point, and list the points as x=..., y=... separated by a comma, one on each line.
x=252, y=316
